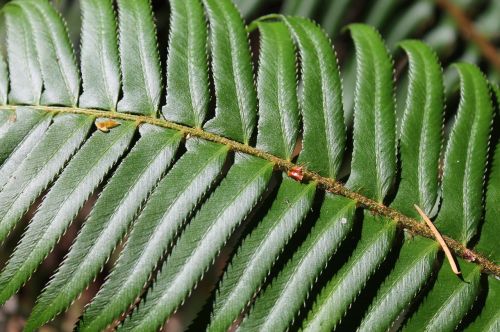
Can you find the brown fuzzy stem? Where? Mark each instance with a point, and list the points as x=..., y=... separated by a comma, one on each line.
x=411, y=225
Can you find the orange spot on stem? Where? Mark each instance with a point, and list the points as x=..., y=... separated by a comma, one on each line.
x=106, y=125
x=296, y=173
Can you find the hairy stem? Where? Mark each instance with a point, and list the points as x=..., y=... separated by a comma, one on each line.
x=331, y=185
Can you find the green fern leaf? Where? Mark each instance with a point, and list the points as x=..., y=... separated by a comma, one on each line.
x=448, y=301
x=187, y=65
x=465, y=158
x=378, y=13
x=277, y=307
x=25, y=73
x=276, y=81
x=4, y=79
x=183, y=188
x=372, y=171
x=170, y=205
x=101, y=82
x=332, y=303
x=19, y=139
x=198, y=245
x=419, y=185
x=373, y=163
x=111, y=215
x=138, y=49
x=422, y=122
x=5, y=116
x=414, y=267
x=259, y=251
x=489, y=319
x=236, y=107
x=78, y=180
x=55, y=54
x=40, y=167
x=324, y=134
x=488, y=242
x=321, y=100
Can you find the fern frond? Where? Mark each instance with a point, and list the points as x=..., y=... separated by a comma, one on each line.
x=78, y=180
x=448, y=301
x=40, y=167
x=373, y=164
x=235, y=112
x=279, y=112
x=465, y=158
x=101, y=80
x=170, y=205
x=187, y=65
x=321, y=99
x=201, y=241
x=259, y=251
x=110, y=218
x=335, y=299
x=260, y=170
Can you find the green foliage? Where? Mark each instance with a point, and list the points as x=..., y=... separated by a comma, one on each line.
x=247, y=172
x=235, y=111
x=174, y=199
x=422, y=122
x=19, y=139
x=487, y=242
x=24, y=69
x=489, y=320
x=282, y=300
x=111, y=216
x=321, y=103
x=413, y=268
x=373, y=162
x=40, y=167
x=186, y=72
x=5, y=81
x=335, y=299
x=202, y=239
x=278, y=122
x=449, y=300
x=78, y=180
x=54, y=53
x=259, y=251
x=141, y=90
x=101, y=82
x=465, y=157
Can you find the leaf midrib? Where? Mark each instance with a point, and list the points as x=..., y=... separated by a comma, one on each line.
x=328, y=184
